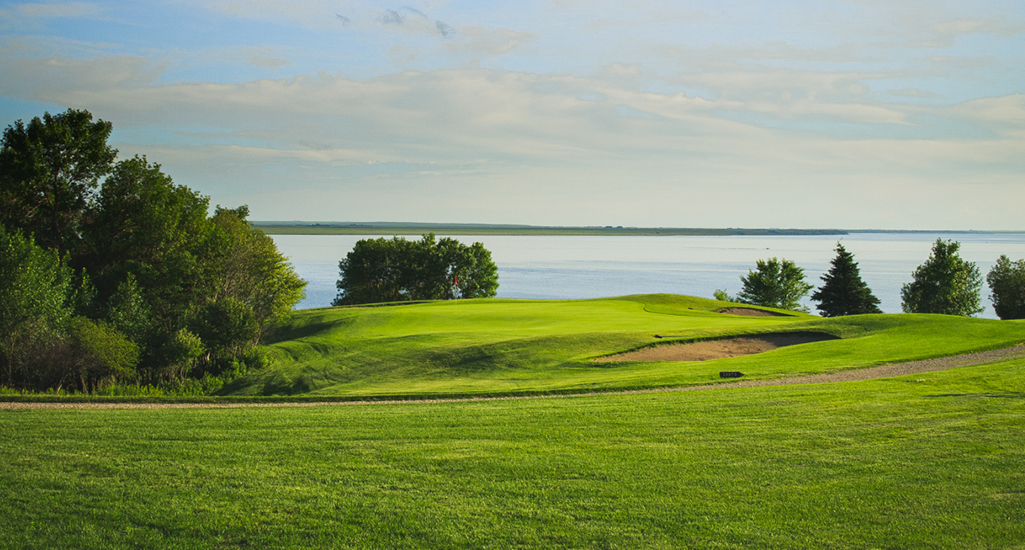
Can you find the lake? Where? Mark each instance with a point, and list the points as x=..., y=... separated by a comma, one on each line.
x=571, y=267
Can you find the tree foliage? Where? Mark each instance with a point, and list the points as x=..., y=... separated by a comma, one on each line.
x=35, y=286
x=945, y=284
x=162, y=290
x=98, y=351
x=395, y=270
x=49, y=171
x=252, y=270
x=1007, y=283
x=843, y=292
x=776, y=283
x=146, y=226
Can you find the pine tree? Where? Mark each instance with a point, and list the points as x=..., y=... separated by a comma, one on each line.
x=843, y=291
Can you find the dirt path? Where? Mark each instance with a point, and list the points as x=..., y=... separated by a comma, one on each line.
x=885, y=371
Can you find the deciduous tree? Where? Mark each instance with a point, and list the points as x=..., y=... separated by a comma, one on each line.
x=1007, y=283
x=945, y=284
x=383, y=270
x=776, y=283
x=35, y=287
x=251, y=270
x=49, y=171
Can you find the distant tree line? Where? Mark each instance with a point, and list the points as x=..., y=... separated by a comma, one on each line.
x=110, y=273
x=944, y=284
x=397, y=270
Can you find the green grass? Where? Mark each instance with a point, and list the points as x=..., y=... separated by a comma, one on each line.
x=498, y=347
x=924, y=461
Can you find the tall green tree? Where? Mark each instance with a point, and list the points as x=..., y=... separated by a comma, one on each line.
x=775, y=283
x=945, y=284
x=383, y=270
x=372, y=272
x=49, y=172
x=843, y=292
x=475, y=273
x=251, y=270
x=145, y=226
x=1007, y=283
x=35, y=291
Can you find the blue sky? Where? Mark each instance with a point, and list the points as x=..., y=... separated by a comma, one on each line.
x=853, y=114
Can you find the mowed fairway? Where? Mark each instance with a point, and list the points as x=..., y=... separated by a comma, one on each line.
x=500, y=347
x=925, y=461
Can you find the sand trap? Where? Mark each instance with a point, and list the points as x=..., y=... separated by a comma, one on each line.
x=719, y=349
x=750, y=312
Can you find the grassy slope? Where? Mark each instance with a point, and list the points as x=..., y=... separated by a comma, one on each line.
x=509, y=346
x=926, y=461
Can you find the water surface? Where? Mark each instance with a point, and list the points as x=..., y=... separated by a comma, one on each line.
x=571, y=267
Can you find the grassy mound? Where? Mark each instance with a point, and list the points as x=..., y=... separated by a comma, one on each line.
x=490, y=347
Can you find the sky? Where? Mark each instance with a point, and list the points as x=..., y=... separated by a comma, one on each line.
x=857, y=114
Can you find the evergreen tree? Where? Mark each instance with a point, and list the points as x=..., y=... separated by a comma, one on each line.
x=843, y=291
x=944, y=284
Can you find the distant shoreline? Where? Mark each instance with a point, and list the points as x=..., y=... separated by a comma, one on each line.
x=396, y=228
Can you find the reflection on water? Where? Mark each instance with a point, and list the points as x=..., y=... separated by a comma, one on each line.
x=550, y=267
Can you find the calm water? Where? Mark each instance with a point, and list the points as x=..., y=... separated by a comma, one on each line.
x=593, y=267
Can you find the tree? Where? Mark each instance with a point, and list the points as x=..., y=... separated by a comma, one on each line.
x=371, y=272
x=252, y=270
x=227, y=329
x=475, y=273
x=843, y=291
x=145, y=226
x=944, y=284
x=776, y=283
x=35, y=287
x=99, y=351
x=382, y=270
x=1007, y=282
x=49, y=171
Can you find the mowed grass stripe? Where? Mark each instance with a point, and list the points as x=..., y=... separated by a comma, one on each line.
x=925, y=461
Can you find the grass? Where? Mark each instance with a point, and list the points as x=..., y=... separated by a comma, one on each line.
x=502, y=347
x=924, y=461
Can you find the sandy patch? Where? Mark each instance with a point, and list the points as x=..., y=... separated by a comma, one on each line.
x=718, y=349
x=750, y=312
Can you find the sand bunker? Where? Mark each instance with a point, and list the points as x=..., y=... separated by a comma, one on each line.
x=719, y=349
x=750, y=312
